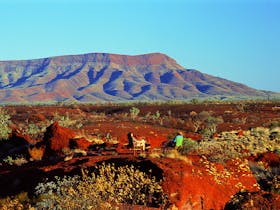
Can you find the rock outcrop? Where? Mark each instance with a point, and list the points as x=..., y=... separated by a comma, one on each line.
x=196, y=183
x=80, y=143
x=57, y=139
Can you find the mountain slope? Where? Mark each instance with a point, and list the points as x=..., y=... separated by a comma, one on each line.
x=109, y=77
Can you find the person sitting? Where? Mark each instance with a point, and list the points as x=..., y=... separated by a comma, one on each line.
x=130, y=139
x=133, y=142
x=178, y=140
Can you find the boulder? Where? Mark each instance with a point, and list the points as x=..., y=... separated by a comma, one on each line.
x=80, y=143
x=19, y=139
x=57, y=138
x=17, y=144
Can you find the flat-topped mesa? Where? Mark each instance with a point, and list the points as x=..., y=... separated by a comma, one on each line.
x=145, y=59
x=123, y=60
x=97, y=77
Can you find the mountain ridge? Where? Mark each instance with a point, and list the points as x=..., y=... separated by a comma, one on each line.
x=105, y=57
x=97, y=77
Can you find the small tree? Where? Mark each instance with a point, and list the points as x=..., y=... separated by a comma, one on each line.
x=198, y=120
x=194, y=120
x=156, y=115
x=212, y=122
x=134, y=111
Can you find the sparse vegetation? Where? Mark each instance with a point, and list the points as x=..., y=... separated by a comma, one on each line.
x=111, y=187
x=5, y=122
x=105, y=189
x=66, y=121
x=229, y=145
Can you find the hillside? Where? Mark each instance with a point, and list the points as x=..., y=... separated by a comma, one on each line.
x=100, y=77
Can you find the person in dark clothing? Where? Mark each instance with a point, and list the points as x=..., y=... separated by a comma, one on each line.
x=130, y=139
x=134, y=142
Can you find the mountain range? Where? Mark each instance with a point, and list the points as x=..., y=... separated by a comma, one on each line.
x=99, y=77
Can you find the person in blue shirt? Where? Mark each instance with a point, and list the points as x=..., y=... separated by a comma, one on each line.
x=178, y=140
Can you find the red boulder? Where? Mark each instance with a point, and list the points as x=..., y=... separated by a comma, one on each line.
x=80, y=143
x=57, y=138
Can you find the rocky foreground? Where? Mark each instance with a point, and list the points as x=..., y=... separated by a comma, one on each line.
x=191, y=181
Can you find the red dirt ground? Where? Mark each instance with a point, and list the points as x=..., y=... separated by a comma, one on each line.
x=189, y=184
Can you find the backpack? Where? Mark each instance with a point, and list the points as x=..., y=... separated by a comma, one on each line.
x=172, y=143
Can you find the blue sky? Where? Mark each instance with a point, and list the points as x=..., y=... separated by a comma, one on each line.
x=233, y=39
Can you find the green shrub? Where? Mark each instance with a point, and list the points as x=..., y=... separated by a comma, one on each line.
x=206, y=132
x=156, y=115
x=212, y=122
x=18, y=160
x=5, y=122
x=64, y=121
x=189, y=145
x=33, y=129
x=134, y=111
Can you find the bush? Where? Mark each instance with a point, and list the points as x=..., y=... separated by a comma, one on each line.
x=33, y=130
x=18, y=160
x=189, y=145
x=134, y=111
x=17, y=202
x=5, y=122
x=105, y=189
x=64, y=121
x=275, y=184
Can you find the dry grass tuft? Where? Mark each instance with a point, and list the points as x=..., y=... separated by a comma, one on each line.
x=36, y=153
x=173, y=153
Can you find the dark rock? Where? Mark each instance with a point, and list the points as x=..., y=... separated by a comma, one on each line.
x=255, y=200
x=19, y=139
x=17, y=144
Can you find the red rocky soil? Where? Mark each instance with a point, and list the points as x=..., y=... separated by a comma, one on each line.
x=192, y=183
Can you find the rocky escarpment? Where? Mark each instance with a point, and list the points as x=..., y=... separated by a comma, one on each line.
x=108, y=77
